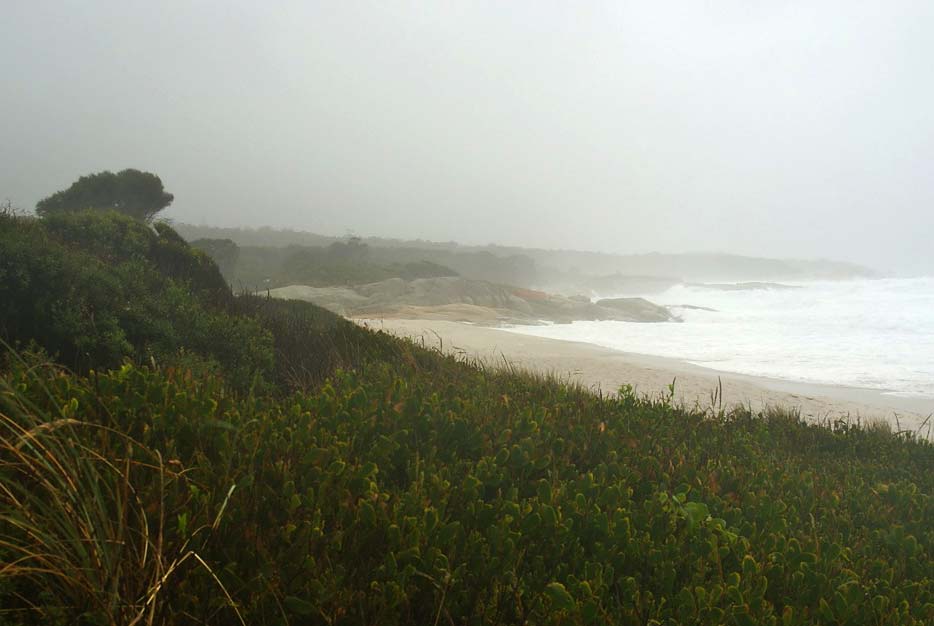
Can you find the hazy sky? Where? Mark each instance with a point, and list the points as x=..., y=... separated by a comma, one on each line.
x=772, y=128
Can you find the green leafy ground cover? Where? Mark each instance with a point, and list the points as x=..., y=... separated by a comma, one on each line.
x=358, y=479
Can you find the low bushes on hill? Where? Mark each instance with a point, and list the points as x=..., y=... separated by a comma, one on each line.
x=94, y=288
x=427, y=491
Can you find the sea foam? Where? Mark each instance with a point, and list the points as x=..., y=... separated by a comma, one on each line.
x=876, y=334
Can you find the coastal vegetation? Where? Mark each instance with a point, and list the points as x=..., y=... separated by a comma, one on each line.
x=130, y=191
x=174, y=453
x=347, y=262
x=340, y=263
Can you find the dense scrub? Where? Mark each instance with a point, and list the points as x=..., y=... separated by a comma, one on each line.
x=350, y=478
x=438, y=493
x=93, y=288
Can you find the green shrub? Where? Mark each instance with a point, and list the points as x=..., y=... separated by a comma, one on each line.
x=423, y=491
x=96, y=287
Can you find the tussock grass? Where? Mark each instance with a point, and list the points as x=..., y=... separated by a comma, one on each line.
x=83, y=519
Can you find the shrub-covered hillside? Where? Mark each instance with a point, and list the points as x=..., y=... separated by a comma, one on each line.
x=363, y=480
x=93, y=288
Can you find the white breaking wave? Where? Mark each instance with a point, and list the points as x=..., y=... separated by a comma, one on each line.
x=876, y=334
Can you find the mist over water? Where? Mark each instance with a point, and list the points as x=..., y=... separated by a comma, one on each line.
x=876, y=334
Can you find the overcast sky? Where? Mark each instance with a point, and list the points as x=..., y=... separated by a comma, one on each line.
x=788, y=128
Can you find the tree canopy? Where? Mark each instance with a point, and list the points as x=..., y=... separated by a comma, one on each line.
x=131, y=192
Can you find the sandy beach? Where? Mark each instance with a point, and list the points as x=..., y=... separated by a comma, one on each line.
x=606, y=370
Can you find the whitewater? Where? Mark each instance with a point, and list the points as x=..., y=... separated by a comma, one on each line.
x=872, y=334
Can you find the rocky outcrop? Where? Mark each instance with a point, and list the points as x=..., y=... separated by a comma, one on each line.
x=637, y=309
x=461, y=299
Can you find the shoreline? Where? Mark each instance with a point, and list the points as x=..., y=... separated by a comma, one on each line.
x=606, y=369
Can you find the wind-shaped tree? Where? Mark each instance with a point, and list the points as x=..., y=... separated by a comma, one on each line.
x=131, y=192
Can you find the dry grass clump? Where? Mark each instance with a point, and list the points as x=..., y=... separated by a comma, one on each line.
x=83, y=520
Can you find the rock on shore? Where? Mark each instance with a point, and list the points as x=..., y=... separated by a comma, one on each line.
x=461, y=299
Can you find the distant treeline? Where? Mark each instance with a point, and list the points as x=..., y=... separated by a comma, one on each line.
x=340, y=263
x=565, y=270
x=353, y=261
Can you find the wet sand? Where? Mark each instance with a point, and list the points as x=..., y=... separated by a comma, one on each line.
x=606, y=370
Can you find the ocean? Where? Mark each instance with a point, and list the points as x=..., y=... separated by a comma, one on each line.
x=874, y=334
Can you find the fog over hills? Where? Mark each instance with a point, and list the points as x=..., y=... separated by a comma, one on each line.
x=781, y=130
x=565, y=270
